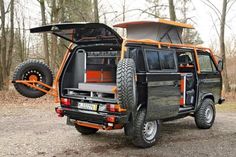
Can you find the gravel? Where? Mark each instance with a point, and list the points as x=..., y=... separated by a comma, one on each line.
x=30, y=127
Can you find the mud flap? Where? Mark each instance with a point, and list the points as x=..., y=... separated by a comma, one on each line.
x=70, y=122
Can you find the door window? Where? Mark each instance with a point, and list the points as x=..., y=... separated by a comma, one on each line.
x=206, y=63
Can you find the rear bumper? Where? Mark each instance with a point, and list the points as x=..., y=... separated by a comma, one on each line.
x=92, y=117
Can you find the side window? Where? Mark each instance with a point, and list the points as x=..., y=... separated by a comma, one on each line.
x=167, y=60
x=161, y=60
x=206, y=63
x=133, y=53
x=136, y=54
x=185, y=58
x=153, y=59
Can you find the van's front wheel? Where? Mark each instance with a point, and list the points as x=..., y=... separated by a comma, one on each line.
x=146, y=133
x=205, y=116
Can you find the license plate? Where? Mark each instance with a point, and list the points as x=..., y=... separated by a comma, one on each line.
x=87, y=106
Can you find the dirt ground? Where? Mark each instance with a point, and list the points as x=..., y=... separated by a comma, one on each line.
x=30, y=127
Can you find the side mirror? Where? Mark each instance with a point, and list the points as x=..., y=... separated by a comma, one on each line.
x=220, y=65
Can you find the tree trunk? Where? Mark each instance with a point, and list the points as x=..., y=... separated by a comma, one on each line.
x=62, y=42
x=45, y=37
x=6, y=54
x=11, y=42
x=21, y=44
x=3, y=45
x=54, y=19
x=123, y=16
x=172, y=10
x=95, y=8
x=222, y=45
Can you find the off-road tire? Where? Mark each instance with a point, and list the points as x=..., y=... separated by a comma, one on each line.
x=126, y=83
x=202, y=119
x=32, y=67
x=139, y=138
x=85, y=130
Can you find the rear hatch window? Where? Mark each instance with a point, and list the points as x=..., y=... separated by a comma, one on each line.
x=82, y=33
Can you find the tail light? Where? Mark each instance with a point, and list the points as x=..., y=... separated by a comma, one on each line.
x=65, y=101
x=114, y=108
x=111, y=107
x=111, y=119
x=59, y=112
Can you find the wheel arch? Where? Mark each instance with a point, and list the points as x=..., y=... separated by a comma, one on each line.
x=203, y=97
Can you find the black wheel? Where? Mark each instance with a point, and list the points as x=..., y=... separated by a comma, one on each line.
x=85, y=130
x=205, y=116
x=146, y=133
x=35, y=71
x=126, y=83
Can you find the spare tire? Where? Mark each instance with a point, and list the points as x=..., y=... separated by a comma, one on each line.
x=126, y=83
x=32, y=70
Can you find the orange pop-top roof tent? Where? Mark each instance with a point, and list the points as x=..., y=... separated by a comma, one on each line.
x=155, y=29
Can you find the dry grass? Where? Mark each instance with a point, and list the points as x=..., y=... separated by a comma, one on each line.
x=226, y=107
x=230, y=96
x=12, y=97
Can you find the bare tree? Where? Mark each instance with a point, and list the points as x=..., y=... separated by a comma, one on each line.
x=45, y=37
x=172, y=10
x=20, y=37
x=123, y=15
x=190, y=36
x=222, y=44
x=2, y=45
x=6, y=52
x=155, y=9
x=221, y=16
x=55, y=8
x=95, y=8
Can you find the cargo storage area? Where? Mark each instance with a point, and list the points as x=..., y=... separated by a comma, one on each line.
x=90, y=75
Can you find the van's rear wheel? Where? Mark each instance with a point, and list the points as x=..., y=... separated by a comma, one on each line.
x=126, y=83
x=32, y=70
x=205, y=116
x=85, y=130
x=146, y=133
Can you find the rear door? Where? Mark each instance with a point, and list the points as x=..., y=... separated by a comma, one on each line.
x=162, y=83
x=82, y=33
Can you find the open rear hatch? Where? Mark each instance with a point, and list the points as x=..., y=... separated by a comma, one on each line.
x=89, y=72
x=82, y=33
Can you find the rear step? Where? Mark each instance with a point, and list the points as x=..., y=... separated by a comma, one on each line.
x=186, y=109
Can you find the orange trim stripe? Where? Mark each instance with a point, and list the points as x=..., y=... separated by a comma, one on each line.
x=92, y=125
x=186, y=66
x=182, y=86
x=153, y=42
x=163, y=21
x=181, y=101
